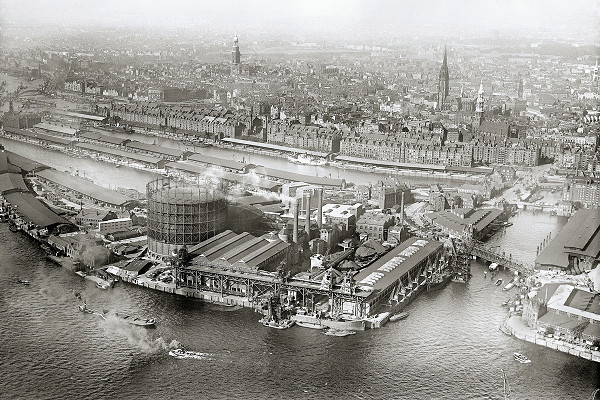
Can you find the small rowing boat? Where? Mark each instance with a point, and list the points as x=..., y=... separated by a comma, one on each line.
x=498, y=282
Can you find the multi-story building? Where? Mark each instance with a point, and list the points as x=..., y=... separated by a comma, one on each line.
x=375, y=225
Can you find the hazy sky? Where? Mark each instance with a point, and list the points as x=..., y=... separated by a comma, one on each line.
x=312, y=16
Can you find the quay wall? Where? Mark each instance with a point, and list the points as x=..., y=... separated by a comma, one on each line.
x=517, y=328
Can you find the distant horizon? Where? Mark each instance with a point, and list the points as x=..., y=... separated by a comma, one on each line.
x=577, y=20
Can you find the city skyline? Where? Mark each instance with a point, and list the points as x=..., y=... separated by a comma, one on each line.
x=567, y=20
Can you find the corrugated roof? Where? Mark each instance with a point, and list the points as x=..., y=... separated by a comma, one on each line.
x=213, y=241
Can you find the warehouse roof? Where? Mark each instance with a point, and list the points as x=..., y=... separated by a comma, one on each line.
x=219, y=162
x=34, y=210
x=40, y=136
x=120, y=153
x=152, y=148
x=11, y=181
x=274, y=147
x=580, y=235
x=19, y=162
x=85, y=187
x=391, y=163
x=80, y=115
x=56, y=128
x=395, y=264
x=294, y=177
x=102, y=138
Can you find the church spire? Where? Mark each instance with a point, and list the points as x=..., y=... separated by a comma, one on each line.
x=479, y=105
x=443, y=82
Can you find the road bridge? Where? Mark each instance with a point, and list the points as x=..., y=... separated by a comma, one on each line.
x=485, y=252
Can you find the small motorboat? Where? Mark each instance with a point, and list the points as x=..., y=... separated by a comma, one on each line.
x=23, y=281
x=102, y=285
x=398, y=317
x=183, y=354
x=338, y=332
x=509, y=285
x=521, y=358
x=498, y=282
x=282, y=324
x=144, y=322
x=493, y=266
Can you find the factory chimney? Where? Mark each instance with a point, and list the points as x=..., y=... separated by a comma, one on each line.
x=307, y=221
x=402, y=210
x=296, y=212
x=320, y=207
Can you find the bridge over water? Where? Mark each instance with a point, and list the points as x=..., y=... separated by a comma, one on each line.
x=481, y=250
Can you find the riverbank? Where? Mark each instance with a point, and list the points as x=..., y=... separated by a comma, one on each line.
x=515, y=326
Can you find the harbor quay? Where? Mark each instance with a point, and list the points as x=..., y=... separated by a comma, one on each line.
x=514, y=326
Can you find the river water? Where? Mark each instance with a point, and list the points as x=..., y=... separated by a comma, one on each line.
x=448, y=348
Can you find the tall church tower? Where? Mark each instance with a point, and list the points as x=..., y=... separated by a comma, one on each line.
x=443, y=82
x=235, y=57
x=479, y=105
x=520, y=90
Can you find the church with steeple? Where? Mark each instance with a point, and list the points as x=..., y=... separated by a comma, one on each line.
x=479, y=105
x=443, y=83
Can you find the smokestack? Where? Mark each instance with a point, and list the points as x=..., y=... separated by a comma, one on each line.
x=296, y=212
x=307, y=222
x=320, y=207
x=402, y=209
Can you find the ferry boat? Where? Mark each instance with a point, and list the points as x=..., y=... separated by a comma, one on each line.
x=146, y=323
x=521, y=358
x=398, y=317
